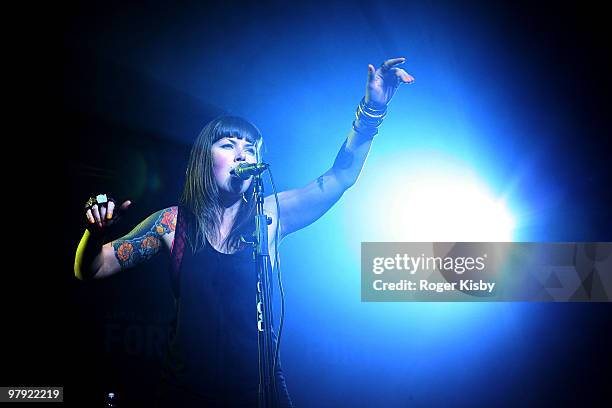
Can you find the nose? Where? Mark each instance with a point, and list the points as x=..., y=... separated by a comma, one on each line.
x=240, y=155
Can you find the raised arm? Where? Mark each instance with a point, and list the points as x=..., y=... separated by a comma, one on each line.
x=302, y=206
x=96, y=259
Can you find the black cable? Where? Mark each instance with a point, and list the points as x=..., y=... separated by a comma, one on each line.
x=278, y=268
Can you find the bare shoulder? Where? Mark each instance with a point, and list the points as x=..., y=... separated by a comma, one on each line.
x=270, y=205
x=271, y=210
x=166, y=220
x=166, y=225
x=162, y=222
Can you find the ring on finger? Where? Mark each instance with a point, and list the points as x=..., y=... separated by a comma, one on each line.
x=90, y=203
x=99, y=199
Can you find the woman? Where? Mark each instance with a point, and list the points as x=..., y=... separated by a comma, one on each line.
x=212, y=359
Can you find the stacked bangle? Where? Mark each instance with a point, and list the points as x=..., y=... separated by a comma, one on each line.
x=368, y=118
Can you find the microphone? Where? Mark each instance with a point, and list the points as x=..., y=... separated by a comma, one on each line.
x=245, y=170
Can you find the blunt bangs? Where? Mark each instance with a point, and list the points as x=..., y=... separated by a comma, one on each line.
x=234, y=126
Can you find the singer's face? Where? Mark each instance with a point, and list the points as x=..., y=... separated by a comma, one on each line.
x=228, y=153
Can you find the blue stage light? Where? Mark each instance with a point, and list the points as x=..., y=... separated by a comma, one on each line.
x=420, y=196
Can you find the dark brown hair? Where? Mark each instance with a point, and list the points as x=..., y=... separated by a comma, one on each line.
x=201, y=194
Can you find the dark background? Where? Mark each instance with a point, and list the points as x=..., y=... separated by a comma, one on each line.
x=114, y=123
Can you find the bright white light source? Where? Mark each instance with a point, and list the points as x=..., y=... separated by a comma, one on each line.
x=430, y=200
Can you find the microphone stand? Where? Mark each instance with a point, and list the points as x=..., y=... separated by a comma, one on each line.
x=267, y=396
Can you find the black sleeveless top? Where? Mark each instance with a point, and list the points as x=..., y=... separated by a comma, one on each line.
x=212, y=356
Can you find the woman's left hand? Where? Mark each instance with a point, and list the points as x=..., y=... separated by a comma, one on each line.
x=384, y=81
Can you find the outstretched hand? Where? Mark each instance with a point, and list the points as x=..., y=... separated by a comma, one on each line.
x=384, y=81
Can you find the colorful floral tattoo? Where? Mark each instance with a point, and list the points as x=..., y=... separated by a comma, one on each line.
x=144, y=241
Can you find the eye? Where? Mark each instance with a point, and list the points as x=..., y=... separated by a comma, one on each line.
x=227, y=146
x=251, y=152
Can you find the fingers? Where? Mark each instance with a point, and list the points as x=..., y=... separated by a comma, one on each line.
x=386, y=66
x=96, y=214
x=403, y=77
x=104, y=214
x=371, y=73
x=114, y=213
x=90, y=218
x=392, y=62
x=125, y=205
x=389, y=67
x=109, y=210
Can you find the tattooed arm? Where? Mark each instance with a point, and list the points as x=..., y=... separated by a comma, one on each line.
x=94, y=259
x=303, y=206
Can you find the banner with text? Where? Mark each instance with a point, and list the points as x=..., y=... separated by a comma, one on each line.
x=486, y=271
